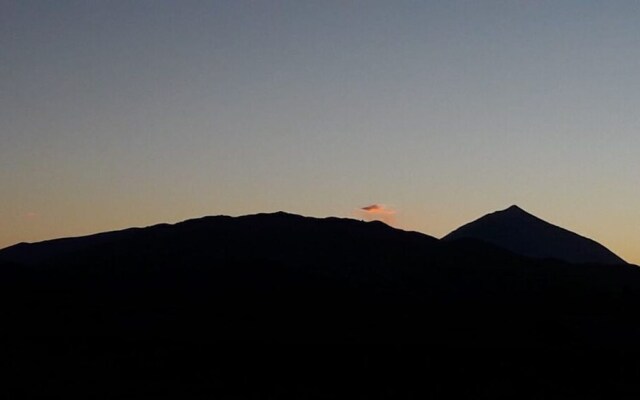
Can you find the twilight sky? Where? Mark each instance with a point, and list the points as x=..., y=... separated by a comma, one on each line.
x=120, y=113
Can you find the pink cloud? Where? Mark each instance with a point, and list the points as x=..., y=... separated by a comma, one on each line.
x=378, y=209
x=378, y=212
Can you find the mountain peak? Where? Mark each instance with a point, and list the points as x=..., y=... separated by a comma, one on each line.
x=514, y=210
x=523, y=233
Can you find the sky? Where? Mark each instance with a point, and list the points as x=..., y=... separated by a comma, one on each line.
x=117, y=113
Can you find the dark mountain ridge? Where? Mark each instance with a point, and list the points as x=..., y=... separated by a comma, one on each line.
x=201, y=304
x=286, y=262
x=274, y=235
x=523, y=233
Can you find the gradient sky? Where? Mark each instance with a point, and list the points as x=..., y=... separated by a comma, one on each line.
x=121, y=113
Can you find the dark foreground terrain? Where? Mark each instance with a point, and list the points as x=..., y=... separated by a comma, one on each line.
x=278, y=305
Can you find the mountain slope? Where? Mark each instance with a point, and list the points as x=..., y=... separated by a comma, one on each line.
x=278, y=236
x=522, y=233
x=217, y=307
x=286, y=278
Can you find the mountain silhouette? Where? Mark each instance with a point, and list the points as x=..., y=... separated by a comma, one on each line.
x=522, y=233
x=222, y=304
x=277, y=235
x=287, y=278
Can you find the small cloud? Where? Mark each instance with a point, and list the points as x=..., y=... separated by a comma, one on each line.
x=378, y=209
x=31, y=215
x=378, y=212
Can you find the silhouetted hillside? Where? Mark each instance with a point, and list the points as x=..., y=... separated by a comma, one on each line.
x=286, y=278
x=522, y=233
x=164, y=305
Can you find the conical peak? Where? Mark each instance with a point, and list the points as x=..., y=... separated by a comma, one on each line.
x=523, y=233
x=513, y=211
